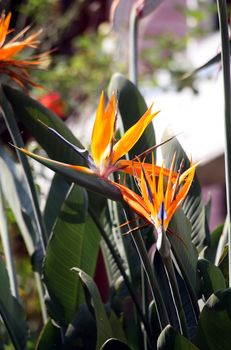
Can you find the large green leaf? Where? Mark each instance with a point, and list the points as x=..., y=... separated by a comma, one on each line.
x=104, y=331
x=169, y=339
x=50, y=337
x=57, y=193
x=74, y=242
x=192, y=206
x=31, y=113
x=214, y=330
x=182, y=247
x=211, y=278
x=132, y=106
x=12, y=312
x=209, y=252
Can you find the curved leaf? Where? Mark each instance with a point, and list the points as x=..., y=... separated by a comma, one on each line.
x=89, y=181
x=210, y=252
x=31, y=113
x=211, y=278
x=192, y=206
x=57, y=193
x=12, y=312
x=50, y=337
x=104, y=331
x=132, y=106
x=215, y=322
x=114, y=344
x=169, y=339
x=74, y=242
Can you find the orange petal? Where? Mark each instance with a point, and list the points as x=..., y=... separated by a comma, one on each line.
x=132, y=135
x=128, y=167
x=4, y=25
x=103, y=128
x=134, y=201
x=168, y=192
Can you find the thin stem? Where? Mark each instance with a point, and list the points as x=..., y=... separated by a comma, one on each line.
x=176, y=294
x=225, y=54
x=41, y=297
x=142, y=252
x=119, y=264
x=133, y=46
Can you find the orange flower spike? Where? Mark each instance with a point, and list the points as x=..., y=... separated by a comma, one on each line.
x=15, y=68
x=4, y=25
x=103, y=129
x=132, y=135
x=164, y=201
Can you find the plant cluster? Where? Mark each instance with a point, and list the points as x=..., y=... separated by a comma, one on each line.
x=122, y=253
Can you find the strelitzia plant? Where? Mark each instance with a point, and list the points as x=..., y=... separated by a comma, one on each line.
x=155, y=279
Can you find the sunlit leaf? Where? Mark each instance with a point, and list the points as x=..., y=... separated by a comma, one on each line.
x=169, y=339
x=215, y=322
x=74, y=242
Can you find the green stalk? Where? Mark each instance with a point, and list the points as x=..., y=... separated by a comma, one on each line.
x=225, y=55
x=142, y=252
x=164, y=248
x=133, y=46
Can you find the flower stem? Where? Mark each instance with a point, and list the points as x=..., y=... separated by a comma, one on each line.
x=155, y=291
x=133, y=46
x=225, y=54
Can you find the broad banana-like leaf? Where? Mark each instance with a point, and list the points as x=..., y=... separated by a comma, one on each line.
x=169, y=339
x=210, y=252
x=12, y=313
x=74, y=242
x=50, y=337
x=211, y=278
x=33, y=115
x=215, y=322
x=104, y=331
x=186, y=257
x=192, y=206
x=57, y=193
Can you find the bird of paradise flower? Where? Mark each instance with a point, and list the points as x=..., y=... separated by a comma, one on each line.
x=16, y=69
x=106, y=153
x=160, y=194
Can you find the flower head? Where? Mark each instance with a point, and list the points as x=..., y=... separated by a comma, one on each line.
x=161, y=194
x=15, y=68
x=106, y=153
